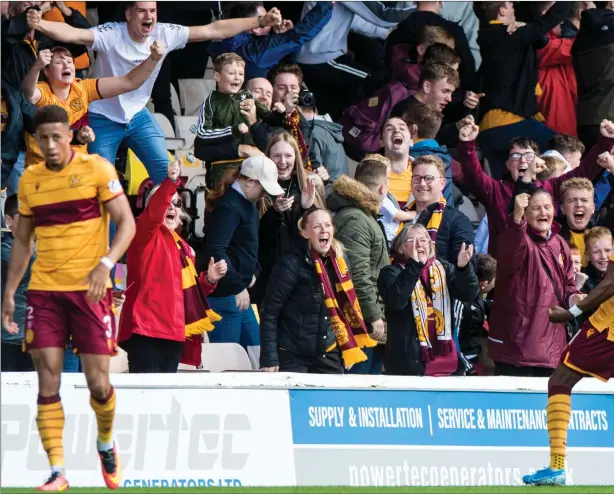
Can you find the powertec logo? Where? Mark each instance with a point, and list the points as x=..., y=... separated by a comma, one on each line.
x=150, y=444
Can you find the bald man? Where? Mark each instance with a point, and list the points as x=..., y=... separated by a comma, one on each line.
x=262, y=90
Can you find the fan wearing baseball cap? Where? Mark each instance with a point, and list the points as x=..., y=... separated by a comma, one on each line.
x=232, y=221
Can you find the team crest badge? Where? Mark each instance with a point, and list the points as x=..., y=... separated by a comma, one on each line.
x=74, y=180
x=29, y=336
x=76, y=105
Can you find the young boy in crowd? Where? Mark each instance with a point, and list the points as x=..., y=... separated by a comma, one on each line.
x=576, y=259
x=223, y=139
x=63, y=89
x=474, y=328
x=553, y=166
x=598, y=242
x=424, y=123
x=569, y=147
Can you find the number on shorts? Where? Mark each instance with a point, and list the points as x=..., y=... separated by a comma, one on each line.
x=107, y=321
x=29, y=314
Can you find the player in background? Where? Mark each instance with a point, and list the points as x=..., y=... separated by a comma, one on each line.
x=589, y=353
x=75, y=95
x=65, y=203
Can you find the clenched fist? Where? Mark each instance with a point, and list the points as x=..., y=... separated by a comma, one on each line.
x=157, y=50
x=606, y=161
x=33, y=18
x=469, y=132
x=607, y=129
x=43, y=59
x=272, y=18
x=521, y=203
x=173, y=170
x=86, y=135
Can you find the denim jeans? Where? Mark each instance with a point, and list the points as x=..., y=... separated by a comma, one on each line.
x=142, y=134
x=373, y=365
x=494, y=142
x=235, y=326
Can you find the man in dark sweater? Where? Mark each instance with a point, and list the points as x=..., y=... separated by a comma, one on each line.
x=509, y=74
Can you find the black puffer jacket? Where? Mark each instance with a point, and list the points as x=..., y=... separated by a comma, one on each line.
x=395, y=285
x=294, y=316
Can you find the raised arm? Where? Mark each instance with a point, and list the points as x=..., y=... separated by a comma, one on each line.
x=29, y=85
x=231, y=27
x=476, y=180
x=589, y=167
x=59, y=31
x=534, y=31
x=155, y=212
x=513, y=244
x=108, y=87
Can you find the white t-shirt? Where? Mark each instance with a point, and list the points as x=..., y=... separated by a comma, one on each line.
x=118, y=54
x=388, y=210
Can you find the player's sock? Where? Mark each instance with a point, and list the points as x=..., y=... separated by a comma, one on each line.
x=50, y=422
x=105, y=414
x=558, y=413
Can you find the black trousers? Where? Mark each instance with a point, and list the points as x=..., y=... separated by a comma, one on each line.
x=152, y=355
x=502, y=369
x=329, y=363
x=14, y=359
x=336, y=84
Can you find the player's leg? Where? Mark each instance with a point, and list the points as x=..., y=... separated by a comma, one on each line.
x=45, y=337
x=94, y=340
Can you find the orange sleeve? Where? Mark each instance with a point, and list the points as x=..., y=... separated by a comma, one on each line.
x=47, y=96
x=56, y=16
x=24, y=208
x=108, y=184
x=90, y=89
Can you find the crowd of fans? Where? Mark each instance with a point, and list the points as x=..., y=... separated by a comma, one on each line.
x=319, y=265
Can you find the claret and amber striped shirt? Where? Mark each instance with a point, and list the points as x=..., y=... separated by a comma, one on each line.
x=71, y=224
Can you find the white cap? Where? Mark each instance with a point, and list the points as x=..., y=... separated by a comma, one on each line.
x=264, y=170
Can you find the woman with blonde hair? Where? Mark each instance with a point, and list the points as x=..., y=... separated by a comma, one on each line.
x=418, y=290
x=278, y=233
x=311, y=319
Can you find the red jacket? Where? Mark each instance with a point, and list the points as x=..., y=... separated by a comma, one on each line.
x=557, y=80
x=154, y=294
x=520, y=333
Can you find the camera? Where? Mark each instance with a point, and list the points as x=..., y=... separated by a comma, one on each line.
x=306, y=98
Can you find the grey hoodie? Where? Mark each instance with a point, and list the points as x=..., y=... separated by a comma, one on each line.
x=372, y=19
x=325, y=139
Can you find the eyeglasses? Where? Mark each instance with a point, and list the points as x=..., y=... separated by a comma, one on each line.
x=528, y=156
x=417, y=179
x=178, y=203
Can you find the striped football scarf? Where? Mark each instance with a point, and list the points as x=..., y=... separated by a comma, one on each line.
x=199, y=317
x=436, y=216
x=292, y=123
x=347, y=322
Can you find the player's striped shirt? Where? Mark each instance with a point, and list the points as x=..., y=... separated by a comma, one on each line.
x=71, y=224
x=82, y=93
x=603, y=318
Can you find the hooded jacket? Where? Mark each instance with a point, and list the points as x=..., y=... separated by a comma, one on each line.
x=261, y=53
x=325, y=141
x=520, y=332
x=496, y=195
x=356, y=211
x=593, y=52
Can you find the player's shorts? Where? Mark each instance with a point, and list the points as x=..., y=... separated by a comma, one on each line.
x=591, y=353
x=52, y=317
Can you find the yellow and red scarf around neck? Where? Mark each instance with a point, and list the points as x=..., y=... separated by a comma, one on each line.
x=343, y=309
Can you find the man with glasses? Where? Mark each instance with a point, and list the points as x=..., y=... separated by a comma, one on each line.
x=496, y=195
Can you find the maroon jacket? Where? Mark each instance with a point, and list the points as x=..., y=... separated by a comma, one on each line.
x=154, y=292
x=520, y=333
x=496, y=195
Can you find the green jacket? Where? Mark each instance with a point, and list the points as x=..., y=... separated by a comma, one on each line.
x=356, y=210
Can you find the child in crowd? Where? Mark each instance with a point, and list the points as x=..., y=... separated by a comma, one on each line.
x=62, y=88
x=223, y=138
x=474, y=328
x=424, y=123
x=598, y=242
x=576, y=259
x=553, y=166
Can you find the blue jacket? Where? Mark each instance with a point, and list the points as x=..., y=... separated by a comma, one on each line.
x=432, y=147
x=20, y=295
x=603, y=187
x=261, y=53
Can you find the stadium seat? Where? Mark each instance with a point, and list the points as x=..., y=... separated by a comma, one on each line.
x=172, y=142
x=175, y=101
x=253, y=352
x=221, y=357
x=119, y=363
x=183, y=124
x=192, y=93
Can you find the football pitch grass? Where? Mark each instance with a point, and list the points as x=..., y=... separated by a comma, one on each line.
x=339, y=490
